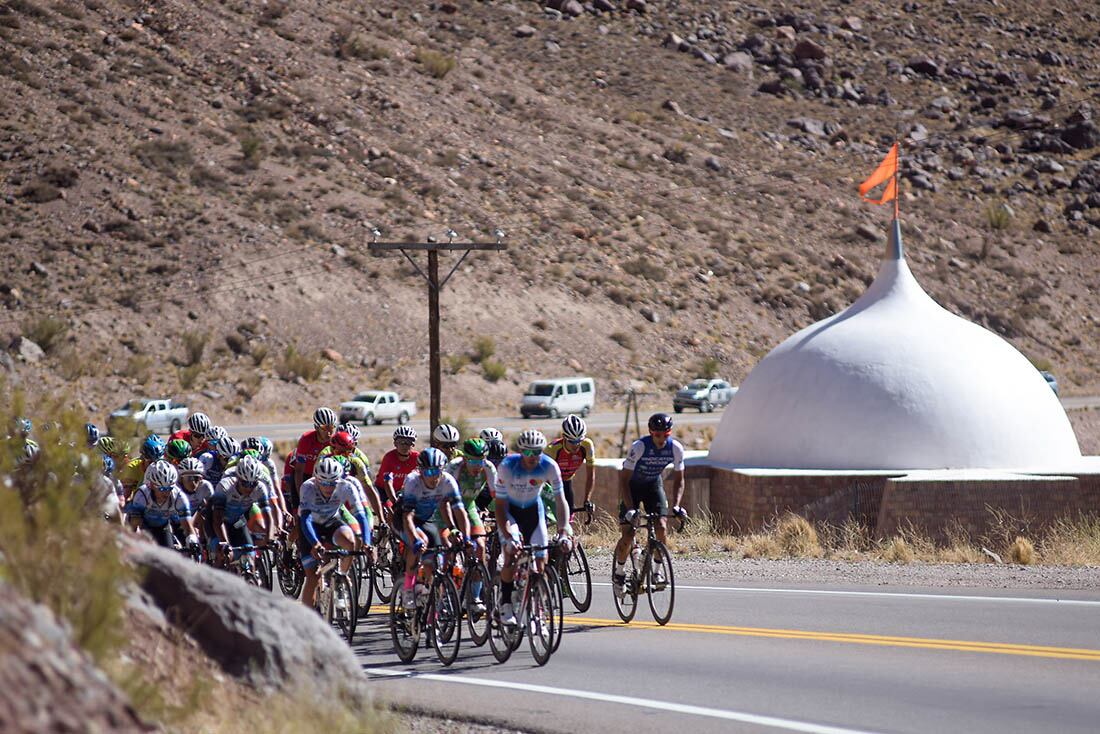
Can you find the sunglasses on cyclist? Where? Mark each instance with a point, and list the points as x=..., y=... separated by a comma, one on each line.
x=404, y=442
x=166, y=488
x=248, y=484
x=328, y=482
x=475, y=462
x=660, y=433
x=431, y=471
x=531, y=452
x=571, y=442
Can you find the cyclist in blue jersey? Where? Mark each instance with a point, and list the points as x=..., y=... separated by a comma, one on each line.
x=158, y=503
x=427, y=490
x=641, y=484
x=521, y=515
x=232, y=503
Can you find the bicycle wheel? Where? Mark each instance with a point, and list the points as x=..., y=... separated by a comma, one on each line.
x=627, y=604
x=660, y=584
x=291, y=573
x=553, y=581
x=365, y=591
x=444, y=619
x=476, y=579
x=263, y=569
x=578, y=578
x=539, y=619
x=404, y=628
x=383, y=577
x=500, y=641
x=325, y=602
x=344, y=615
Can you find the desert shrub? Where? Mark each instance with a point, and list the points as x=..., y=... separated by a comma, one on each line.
x=897, y=550
x=677, y=153
x=434, y=63
x=644, y=267
x=1022, y=551
x=294, y=364
x=623, y=339
x=998, y=217
x=259, y=353
x=252, y=149
x=249, y=385
x=189, y=375
x=355, y=45
x=40, y=192
x=236, y=343
x=194, y=344
x=797, y=537
x=542, y=342
x=139, y=368
x=165, y=156
x=484, y=348
x=1072, y=541
x=708, y=368
x=47, y=332
x=493, y=369
x=457, y=362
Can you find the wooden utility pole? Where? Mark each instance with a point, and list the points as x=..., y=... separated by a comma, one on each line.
x=435, y=286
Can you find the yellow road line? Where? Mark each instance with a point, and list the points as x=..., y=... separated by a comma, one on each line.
x=1001, y=648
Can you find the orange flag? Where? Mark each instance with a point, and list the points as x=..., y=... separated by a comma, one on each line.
x=886, y=171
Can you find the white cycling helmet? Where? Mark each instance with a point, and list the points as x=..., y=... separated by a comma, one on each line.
x=446, y=433
x=488, y=435
x=328, y=469
x=161, y=475
x=191, y=467
x=531, y=440
x=215, y=434
x=405, y=432
x=227, y=447
x=351, y=430
x=324, y=417
x=250, y=470
x=573, y=428
x=199, y=423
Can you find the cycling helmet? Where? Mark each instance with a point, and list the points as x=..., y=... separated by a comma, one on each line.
x=178, y=450
x=92, y=432
x=488, y=435
x=108, y=465
x=475, y=448
x=266, y=447
x=352, y=431
x=191, y=467
x=227, y=448
x=431, y=458
x=199, y=423
x=573, y=428
x=161, y=474
x=30, y=452
x=328, y=469
x=404, y=432
x=152, y=448
x=660, y=422
x=106, y=445
x=497, y=451
x=215, y=434
x=446, y=433
x=341, y=441
x=252, y=443
x=531, y=440
x=250, y=470
x=324, y=417
x=25, y=426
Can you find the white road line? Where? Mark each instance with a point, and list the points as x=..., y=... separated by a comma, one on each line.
x=887, y=594
x=678, y=708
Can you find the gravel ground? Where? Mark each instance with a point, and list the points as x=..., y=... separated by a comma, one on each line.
x=870, y=573
x=425, y=724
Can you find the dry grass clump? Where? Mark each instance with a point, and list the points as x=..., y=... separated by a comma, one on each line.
x=294, y=364
x=434, y=63
x=1072, y=542
x=797, y=538
x=897, y=550
x=1022, y=551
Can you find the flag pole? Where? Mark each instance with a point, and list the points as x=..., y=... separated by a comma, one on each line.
x=895, y=249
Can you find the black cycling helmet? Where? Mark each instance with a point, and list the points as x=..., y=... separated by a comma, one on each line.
x=660, y=422
x=497, y=451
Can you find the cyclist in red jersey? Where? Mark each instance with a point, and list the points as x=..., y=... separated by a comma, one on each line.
x=397, y=464
x=311, y=443
x=198, y=426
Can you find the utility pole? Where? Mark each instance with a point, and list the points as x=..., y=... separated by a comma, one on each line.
x=435, y=286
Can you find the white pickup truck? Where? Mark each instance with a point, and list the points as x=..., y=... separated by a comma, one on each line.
x=376, y=406
x=158, y=416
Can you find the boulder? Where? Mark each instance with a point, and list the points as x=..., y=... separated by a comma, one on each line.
x=807, y=49
x=26, y=350
x=332, y=356
x=739, y=62
x=572, y=8
x=47, y=684
x=266, y=639
x=638, y=6
x=525, y=31
x=1082, y=136
x=604, y=6
x=924, y=65
x=852, y=23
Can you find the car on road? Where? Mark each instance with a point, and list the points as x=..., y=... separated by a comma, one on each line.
x=1051, y=380
x=374, y=406
x=157, y=415
x=558, y=397
x=703, y=394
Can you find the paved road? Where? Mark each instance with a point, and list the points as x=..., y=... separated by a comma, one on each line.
x=828, y=661
x=604, y=421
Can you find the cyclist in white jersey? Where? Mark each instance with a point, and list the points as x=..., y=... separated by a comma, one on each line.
x=321, y=499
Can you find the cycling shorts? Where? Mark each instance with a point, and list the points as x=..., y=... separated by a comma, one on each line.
x=161, y=534
x=430, y=529
x=647, y=493
x=325, y=534
x=567, y=487
x=531, y=524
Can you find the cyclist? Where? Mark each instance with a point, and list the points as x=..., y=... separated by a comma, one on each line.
x=177, y=450
x=107, y=494
x=496, y=453
x=641, y=483
x=342, y=444
x=199, y=492
x=133, y=472
x=237, y=497
x=260, y=448
x=322, y=523
x=445, y=438
x=571, y=450
x=312, y=442
x=196, y=433
x=488, y=435
x=398, y=463
x=217, y=460
x=119, y=451
x=159, y=503
x=475, y=474
x=426, y=490
x=521, y=516
x=92, y=432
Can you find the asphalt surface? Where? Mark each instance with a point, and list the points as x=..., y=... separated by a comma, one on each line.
x=822, y=660
x=602, y=421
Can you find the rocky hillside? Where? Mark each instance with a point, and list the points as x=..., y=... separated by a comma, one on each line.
x=188, y=188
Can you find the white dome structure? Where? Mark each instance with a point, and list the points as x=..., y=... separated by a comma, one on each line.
x=895, y=382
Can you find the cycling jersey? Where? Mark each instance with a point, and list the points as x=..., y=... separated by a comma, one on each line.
x=203, y=492
x=647, y=461
x=185, y=434
x=521, y=487
x=471, y=486
x=232, y=499
x=309, y=447
x=358, y=463
x=424, y=500
x=324, y=510
x=133, y=474
x=153, y=514
x=400, y=468
x=213, y=466
x=569, y=460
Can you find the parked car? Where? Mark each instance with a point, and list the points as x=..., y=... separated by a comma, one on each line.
x=376, y=406
x=704, y=394
x=1051, y=380
x=558, y=397
x=157, y=415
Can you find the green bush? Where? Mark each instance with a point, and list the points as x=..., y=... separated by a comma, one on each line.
x=194, y=344
x=47, y=332
x=189, y=375
x=708, y=368
x=294, y=364
x=484, y=348
x=493, y=369
x=457, y=362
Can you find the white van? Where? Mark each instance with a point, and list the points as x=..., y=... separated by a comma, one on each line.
x=559, y=397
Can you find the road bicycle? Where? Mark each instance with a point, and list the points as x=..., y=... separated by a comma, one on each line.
x=472, y=579
x=389, y=567
x=534, y=608
x=649, y=570
x=573, y=569
x=336, y=592
x=436, y=611
x=243, y=561
x=288, y=567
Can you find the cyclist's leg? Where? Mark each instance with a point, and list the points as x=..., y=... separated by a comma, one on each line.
x=309, y=563
x=344, y=538
x=626, y=537
x=162, y=535
x=567, y=486
x=656, y=501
